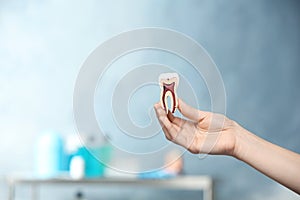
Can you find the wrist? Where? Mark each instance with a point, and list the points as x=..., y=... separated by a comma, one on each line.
x=242, y=139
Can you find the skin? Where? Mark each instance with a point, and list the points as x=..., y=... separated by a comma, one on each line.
x=206, y=132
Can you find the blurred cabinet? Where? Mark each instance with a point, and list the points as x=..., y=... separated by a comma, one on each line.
x=193, y=183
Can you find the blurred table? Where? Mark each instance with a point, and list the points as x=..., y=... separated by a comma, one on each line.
x=195, y=183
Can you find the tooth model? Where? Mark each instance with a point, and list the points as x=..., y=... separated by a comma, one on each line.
x=168, y=83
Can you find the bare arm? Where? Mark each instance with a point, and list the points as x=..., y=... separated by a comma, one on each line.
x=274, y=161
x=206, y=132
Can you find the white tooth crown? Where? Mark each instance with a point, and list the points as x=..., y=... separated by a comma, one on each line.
x=168, y=83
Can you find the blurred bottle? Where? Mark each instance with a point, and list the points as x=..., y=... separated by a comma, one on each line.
x=72, y=145
x=77, y=167
x=49, y=156
x=91, y=148
x=95, y=158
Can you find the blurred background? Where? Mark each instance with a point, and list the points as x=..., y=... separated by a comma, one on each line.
x=255, y=45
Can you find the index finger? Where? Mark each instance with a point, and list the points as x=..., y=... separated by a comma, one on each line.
x=168, y=127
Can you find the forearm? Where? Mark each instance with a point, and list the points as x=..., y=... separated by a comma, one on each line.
x=276, y=162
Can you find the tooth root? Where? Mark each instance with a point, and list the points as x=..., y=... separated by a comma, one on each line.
x=168, y=83
x=165, y=101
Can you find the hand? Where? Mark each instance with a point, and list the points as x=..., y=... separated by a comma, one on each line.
x=206, y=132
x=201, y=132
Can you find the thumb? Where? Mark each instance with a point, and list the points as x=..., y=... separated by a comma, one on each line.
x=190, y=112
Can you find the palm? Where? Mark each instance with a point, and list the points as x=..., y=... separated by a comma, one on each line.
x=203, y=132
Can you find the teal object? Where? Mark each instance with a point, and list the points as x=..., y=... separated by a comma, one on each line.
x=161, y=174
x=49, y=154
x=93, y=167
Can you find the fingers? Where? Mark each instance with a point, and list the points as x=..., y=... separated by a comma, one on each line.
x=190, y=112
x=175, y=120
x=168, y=127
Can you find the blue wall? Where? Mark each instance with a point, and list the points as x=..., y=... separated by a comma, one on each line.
x=255, y=44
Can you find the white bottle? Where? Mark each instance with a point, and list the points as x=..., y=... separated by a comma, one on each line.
x=77, y=167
